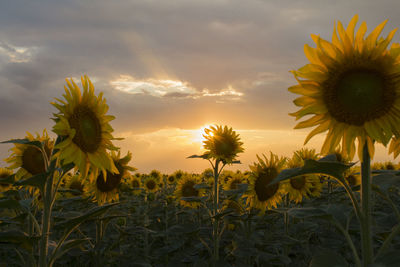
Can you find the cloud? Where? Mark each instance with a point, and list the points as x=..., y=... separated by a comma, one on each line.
x=183, y=63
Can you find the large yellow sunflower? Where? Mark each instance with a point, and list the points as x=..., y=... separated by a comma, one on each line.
x=84, y=125
x=28, y=158
x=222, y=143
x=185, y=188
x=261, y=194
x=351, y=87
x=303, y=185
x=106, y=190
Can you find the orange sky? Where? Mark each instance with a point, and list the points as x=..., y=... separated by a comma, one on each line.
x=167, y=68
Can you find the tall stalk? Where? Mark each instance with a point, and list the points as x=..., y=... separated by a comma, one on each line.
x=366, y=234
x=215, y=211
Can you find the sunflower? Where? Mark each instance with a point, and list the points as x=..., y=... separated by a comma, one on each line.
x=232, y=205
x=178, y=175
x=185, y=188
x=260, y=194
x=136, y=185
x=28, y=158
x=353, y=177
x=85, y=128
x=4, y=173
x=171, y=179
x=76, y=184
x=106, y=190
x=222, y=143
x=156, y=175
x=150, y=184
x=303, y=185
x=233, y=182
x=352, y=89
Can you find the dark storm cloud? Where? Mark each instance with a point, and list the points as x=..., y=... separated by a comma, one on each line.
x=249, y=45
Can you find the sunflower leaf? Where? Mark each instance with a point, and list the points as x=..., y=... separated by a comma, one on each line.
x=201, y=186
x=331, y=168
x=19, y=238
x=37, y=180
x=303, y=213
x=72, y=223
x=328, y=258
x=8, y=180
x=204, y=156
x=23, y=142
x=385, y=181
x=67, y=245
x=10, y=204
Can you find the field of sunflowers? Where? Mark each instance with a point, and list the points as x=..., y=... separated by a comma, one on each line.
x=77, y=201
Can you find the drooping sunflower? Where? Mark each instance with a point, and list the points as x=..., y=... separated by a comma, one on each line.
x=150, y=184
x=4, y=173
x=185, y=188
x=303, y=185
x=106, y=190
x=28, y=158
x=352, y=89
x=222, y=143
x=85, y=128
x=261, y=194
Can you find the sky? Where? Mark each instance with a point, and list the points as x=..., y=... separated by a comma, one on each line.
x=170, y=68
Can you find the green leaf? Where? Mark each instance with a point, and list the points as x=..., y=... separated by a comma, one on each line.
x=331, y=168
x=19, y=238
x=386, y=181
x=390, y=259
x=23, y=142
x=204, y=156
x=310, y=212
x=70, y=224
x=10, y=204
x=37, y=180
x=328, y=258
x=67, y=245
x=192, y=199
x=201, y=186
x=8, y=180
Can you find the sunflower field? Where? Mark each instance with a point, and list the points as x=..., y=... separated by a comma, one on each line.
x=75, y=200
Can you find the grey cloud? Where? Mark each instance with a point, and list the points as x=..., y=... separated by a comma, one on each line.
x=209, y=44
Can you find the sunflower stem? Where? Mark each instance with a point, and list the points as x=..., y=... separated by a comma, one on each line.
x=215, y=211
x=47, y=194
x=46, y=221
x=366, y=234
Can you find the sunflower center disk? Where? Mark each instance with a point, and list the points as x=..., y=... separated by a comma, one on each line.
x=298, y=182
x=112, y=182
x=88, y=129
x=32, y=160
x=234, y=185
x=188, y=190
x=151, y=185
x=135, y=184
x=358, y=95
x=263, y=190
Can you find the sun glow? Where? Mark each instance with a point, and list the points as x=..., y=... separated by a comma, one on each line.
x=198, y=134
